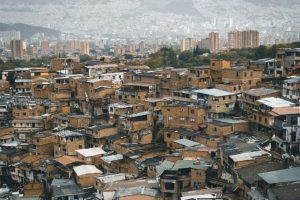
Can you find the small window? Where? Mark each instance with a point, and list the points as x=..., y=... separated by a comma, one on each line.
x=192, y=111
x=181, y=109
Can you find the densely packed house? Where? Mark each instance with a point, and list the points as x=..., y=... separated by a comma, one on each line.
x=109, y=131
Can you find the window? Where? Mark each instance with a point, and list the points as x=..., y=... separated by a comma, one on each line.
x=192, y=119
x=259, y=119
x=293, y=135
x=170, y=118
x=192, y=111
x=294, y=121
x=80, y=146
x=182, y=119
x=266, y=120
x=169, y=186
x=168, y=135
x=215, y=128
x=181, y=109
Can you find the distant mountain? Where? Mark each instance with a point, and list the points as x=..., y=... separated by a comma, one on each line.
x=153, y=17
x=181, y=7
x=27, y=30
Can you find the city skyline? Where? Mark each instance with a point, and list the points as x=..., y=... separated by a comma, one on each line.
x=144, y=18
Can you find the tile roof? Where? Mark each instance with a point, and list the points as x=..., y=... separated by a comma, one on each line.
x=66, y=160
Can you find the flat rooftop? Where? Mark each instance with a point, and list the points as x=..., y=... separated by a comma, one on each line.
x=276, y=102
x=91, y=152
x=213, y=92
x=86, y=169
x=261, y=92
x=249, y=173
x=286, y=111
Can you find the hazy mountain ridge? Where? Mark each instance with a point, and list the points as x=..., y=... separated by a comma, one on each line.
x=28, y=31
x=134, y=16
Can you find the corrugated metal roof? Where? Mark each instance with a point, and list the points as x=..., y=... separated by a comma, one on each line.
x=109, y=159
x=187, y=143
x=137, y=191
x=281, y=176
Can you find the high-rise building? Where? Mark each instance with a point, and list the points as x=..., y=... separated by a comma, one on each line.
x=6, y=36
x=204, y=43
x=84, y=48
x=45, y=47
x=243, y=39
x=214, y=41
x=188, y=44
x=16, y=49
x=72, y=45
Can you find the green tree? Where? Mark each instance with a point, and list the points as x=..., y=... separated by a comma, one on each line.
x=84, y=58
x=185, y=56
x=261, y=52
x=128, y=56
